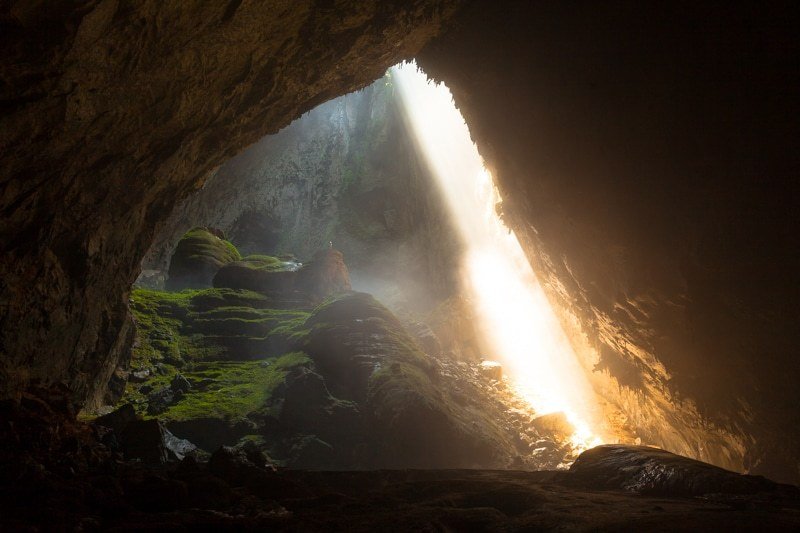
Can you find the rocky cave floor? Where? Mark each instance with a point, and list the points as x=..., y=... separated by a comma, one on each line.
x=57, y=475
x=264, y=394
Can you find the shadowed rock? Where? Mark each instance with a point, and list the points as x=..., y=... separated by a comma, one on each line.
x=647, y=470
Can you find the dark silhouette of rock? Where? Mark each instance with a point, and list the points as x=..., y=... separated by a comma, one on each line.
x=117, y=420
x=143, y=440
x=647, y=470
x=233, y=465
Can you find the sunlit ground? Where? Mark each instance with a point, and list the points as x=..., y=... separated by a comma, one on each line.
x=517, y=320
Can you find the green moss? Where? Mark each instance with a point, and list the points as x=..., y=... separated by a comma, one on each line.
x=264, y=260
x=199, y=242
x=232, y=390
x=209, y=299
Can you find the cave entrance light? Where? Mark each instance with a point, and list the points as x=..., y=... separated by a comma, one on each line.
x=517, y=321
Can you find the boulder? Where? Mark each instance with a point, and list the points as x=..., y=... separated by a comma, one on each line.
x=308, y=452
x=197, y=258
x=491, y=370
x=117, y=420
x=161, y=399
x=234, y=465
x=646, y=470
x=555, y=425
x=326, y=274
x=150, y=442
x=143, y=440
x=180, y=383
x=260, y=273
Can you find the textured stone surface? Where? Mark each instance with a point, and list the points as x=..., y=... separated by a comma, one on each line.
x=115, y=111
x=646, y=470
x=648, y=160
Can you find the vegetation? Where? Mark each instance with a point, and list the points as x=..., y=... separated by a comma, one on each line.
x=199, y=243
x=230, y=390
x=221, y=339
x=197, y=258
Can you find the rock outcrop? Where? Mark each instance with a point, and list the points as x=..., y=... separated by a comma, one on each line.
x=646, y=470
x=197, y=258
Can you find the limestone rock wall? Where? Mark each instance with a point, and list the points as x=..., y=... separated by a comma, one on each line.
x=346, y=172
x=648, y=159
x=114, y=111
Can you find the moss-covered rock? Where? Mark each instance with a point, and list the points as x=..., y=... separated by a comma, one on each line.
x=411, y=415
x=341, y=386
x=326, y=274
x=260, y=273
x=197, y=258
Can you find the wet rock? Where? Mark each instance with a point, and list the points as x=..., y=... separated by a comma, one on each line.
x=425, y=337
x=178, y=448
x=653, y=471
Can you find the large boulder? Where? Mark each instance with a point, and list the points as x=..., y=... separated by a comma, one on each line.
x=197, y=258
x=260, y=273
x=326, y=274
x=411, y=419
x=647, y=470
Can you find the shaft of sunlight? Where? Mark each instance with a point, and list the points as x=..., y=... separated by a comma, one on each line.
x=517, y=320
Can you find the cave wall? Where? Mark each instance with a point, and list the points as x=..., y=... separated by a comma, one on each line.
x=345, y=172
x=114, y=111
x=648, y=160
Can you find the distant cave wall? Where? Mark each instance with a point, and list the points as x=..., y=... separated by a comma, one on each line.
x=648, y=157
x=114, y=111
x=346, y=172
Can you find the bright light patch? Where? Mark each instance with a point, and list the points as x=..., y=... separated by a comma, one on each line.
x=516, y=318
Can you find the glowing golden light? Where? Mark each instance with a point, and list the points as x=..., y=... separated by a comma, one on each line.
x=516, y=318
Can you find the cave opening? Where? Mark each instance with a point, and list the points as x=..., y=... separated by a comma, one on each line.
x=257, y=286
x=383, y=192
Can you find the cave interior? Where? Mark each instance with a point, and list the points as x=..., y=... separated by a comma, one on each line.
x=234, y=293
